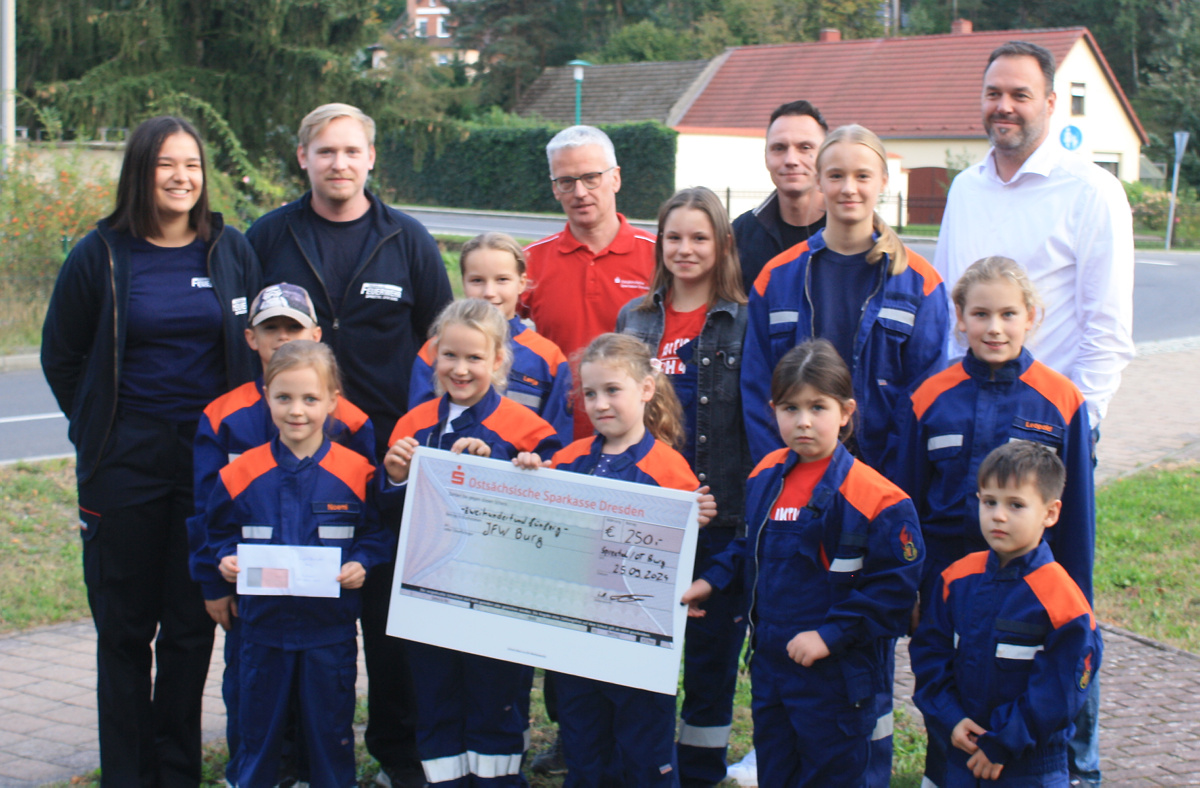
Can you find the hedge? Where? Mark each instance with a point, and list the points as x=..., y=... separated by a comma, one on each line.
x=505, y=168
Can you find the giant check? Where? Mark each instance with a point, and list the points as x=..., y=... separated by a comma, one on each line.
x=557, y=570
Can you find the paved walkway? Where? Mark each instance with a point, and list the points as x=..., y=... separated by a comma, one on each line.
x=1150, y=714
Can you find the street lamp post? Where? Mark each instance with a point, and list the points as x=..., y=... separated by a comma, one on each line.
x=578, y=65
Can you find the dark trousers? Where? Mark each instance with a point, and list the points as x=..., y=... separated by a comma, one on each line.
x=320, y=681
x=711, y=651
x=391, y=735
x=145, y=606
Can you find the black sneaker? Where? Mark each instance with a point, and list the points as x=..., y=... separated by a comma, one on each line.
x=550, y=760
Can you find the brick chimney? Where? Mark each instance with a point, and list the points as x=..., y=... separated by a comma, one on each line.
x=830, y=34
x=961, y=27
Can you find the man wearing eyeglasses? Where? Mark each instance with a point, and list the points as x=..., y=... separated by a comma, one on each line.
x=581, y=276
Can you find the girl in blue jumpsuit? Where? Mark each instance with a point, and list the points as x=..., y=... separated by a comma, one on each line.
x=881, y=305
x=471, y=710
x=299, y=489
x=694, y=320
x=996, y=394
x=493, y=268
x=612, y=734
x=830, y=564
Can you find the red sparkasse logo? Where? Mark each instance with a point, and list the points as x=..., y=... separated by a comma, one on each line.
x=457, y=476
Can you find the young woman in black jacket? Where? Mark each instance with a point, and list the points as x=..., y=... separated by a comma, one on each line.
x=145, y=328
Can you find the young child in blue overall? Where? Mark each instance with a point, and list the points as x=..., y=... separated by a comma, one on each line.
x=612, y=734
x=881, y=305
x=493, y=268
x=830, y=564
x=1008, y=647
x=996, y=394
x=232, y=424
x=694, y=319
x=471, y=710
x=299, y=489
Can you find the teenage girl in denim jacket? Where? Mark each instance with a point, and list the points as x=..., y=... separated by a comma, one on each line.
x=694, y=321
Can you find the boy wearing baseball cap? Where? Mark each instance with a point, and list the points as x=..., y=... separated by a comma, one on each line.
x=237, y=422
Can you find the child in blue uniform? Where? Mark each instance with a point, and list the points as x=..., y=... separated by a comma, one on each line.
x=996, y=394
x=830, y=565
x=471, y=710
x=299, y=489
x=1008, y=646
x=232, y=424
x=694, y=319
x=881, y=305
x=493, y=268
x=608, y=727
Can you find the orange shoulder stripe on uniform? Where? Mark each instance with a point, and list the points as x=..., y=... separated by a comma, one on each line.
x=868, y=491
x=928, y=273
x=973, y=564
x=770, y=461
x=350, y=467
x=239, y=474
x=426, y=352
x=1056, y=387
x=417, y=419
x=220, y=408
x=572, y=452
x=349, y=414
x=1059, y=594
x=518, y=425
x=784, y=257
x=668, y=468
x=544, y=348
x=928, y=392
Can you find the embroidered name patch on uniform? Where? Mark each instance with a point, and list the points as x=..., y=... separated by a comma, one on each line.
x=239, y=305
x=201, y=281
x=379, y=290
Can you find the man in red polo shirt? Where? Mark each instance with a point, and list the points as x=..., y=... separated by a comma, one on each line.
x=582, y=276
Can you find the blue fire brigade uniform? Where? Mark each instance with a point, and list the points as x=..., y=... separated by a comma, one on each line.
x=955, y=419
x=901, y=340
x=234, y=423
x=471, y=711
x=942, y=435
x=269, y=496
x=605, y=726
x=846, y=567
x=540, y=378
x=1014, y=649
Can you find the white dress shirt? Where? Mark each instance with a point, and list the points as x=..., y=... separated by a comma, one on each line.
x=1067, y=222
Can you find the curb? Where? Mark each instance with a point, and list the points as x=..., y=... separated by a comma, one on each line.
x=1145, y=641
x=20, y=362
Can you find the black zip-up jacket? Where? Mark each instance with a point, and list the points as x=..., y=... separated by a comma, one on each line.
x=83, y=338
x=391, y=299
x=722, y=453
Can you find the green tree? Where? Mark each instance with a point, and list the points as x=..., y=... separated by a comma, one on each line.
x=259, y=66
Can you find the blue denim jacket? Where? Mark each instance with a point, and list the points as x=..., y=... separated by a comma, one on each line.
x=722, y=454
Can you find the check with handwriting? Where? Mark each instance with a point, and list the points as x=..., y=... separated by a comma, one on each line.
x=558, y=570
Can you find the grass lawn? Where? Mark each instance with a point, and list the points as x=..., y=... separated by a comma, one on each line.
x=1147, y=580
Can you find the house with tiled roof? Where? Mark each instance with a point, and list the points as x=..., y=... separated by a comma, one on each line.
x=920, y=94
x=614, y=93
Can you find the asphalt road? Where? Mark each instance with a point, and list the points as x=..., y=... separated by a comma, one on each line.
x=1164, y=308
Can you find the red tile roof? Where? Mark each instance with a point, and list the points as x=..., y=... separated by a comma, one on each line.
x=923, y=86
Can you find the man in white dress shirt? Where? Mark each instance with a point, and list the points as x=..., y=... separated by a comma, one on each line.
x=1063, y=218
x=1067, y=221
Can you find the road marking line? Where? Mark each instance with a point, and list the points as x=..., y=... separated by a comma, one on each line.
x=1155, y=262
x=34, y=417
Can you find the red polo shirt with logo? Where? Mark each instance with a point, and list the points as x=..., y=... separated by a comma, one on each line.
x=575, y=294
